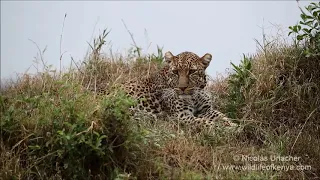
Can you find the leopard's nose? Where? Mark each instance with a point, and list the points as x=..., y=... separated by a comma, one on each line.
x=183, y=88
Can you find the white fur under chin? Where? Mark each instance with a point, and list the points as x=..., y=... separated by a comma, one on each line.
x=184, y=96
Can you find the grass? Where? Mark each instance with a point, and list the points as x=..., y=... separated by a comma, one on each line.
x=76, y=125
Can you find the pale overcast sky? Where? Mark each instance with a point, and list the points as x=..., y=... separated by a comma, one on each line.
x=226, y=29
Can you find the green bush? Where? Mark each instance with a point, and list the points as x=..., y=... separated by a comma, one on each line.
x=65, y=131
x=239, y=84
x=308, y=29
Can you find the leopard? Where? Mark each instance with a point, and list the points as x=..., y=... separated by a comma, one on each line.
x=178, y=91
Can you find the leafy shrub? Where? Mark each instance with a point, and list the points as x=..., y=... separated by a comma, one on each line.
x=64, y=132
x=239, y=84
x=308, y=29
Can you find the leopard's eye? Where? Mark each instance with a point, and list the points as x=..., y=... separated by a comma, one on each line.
x=175, y=71
x=191, y=71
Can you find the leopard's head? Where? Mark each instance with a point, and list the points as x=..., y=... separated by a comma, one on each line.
x=186, y=71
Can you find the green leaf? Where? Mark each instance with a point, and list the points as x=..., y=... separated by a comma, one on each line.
x=298, y=27
x=314, y=3
x=303, y=17
x=309, y=8
x=295, y=29
x=306, y=30
x=309, y=23
x=60, y=132
x=236, y=68
x=299, y=37
x=68, y=137
x=36, y=147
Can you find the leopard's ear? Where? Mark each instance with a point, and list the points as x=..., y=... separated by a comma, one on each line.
x=168, y=56
x=206, y=59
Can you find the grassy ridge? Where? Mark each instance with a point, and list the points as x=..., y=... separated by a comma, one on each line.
x=76, y=125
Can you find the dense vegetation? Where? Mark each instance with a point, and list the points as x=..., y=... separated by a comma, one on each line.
x=76, y=125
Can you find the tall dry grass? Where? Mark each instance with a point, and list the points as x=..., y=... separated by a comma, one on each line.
x=281, y=107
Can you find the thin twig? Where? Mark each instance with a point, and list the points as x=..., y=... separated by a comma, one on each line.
x=94, y=29
x=295, y=141
x=40, y=53
x=61, y=54
x=131, y=35
x=76, y=64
